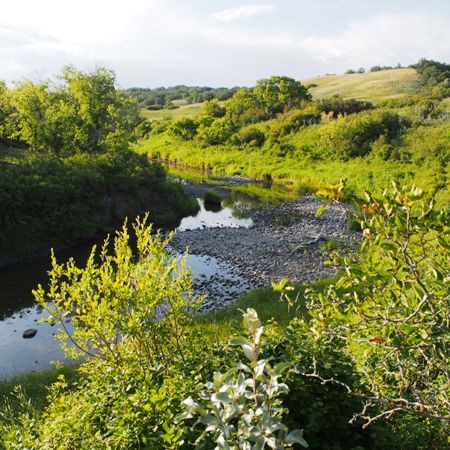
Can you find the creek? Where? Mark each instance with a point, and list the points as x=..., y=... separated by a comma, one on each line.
x=243, y=244
x=18, y=311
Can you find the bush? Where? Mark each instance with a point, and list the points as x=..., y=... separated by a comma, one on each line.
x=217, y=133
x=388, y=313
x=338, y=105
x=252, y=136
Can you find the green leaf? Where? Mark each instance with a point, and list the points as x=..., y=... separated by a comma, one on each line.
x=320, y=210
x=240, y=340
x=296, y=437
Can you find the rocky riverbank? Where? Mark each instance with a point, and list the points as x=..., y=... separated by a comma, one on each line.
x=286, y=241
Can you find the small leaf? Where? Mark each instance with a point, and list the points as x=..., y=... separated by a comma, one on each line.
x=249, y=351
x=296, y=437
x=320, y=210
x=240, y=340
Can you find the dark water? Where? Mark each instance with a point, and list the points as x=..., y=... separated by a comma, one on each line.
x=18, y=311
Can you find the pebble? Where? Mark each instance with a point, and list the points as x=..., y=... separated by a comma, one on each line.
x=284, y=242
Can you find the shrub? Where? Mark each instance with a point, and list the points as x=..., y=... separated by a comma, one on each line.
x=217, y=133
x=184, y=127
x=388, y=313
x=242, y=407
x=252, y=136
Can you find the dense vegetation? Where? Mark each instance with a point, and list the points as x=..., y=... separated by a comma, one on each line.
x=66, y=168
x=369, y=347
x=276, y=132
x=359, y=361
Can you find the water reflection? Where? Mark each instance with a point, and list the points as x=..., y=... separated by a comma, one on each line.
x=206, y=218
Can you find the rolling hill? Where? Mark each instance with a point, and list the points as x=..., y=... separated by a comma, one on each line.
x=371, y=86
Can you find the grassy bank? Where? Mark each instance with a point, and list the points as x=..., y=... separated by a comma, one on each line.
x=297, y=175
x=49, y=201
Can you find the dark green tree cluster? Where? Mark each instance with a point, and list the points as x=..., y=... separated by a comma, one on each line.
x=162, y=97
x=435, y=76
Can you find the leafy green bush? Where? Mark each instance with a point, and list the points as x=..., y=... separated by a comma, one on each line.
x=241, y=408
x=184, y=127
x=388, y=314
x=337, y=105
x=218, y=132
x=252, y=136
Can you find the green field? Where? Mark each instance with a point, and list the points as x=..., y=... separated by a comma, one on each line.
x=371, y=86
x=192, y=110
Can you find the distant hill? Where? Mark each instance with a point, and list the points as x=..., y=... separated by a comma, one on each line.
x=371, y=86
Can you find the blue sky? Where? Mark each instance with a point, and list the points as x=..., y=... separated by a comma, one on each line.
x=153, y=43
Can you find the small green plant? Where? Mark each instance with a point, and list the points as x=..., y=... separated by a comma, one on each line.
x=126, y=309
x=242, y=408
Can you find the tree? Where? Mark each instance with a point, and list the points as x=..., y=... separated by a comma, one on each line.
x=184, y=127
x=280, y=94
x=6, y=114
x=212, y=108
x=218, y=132
x=107, y=117
x=244, y=108
x=84, y=114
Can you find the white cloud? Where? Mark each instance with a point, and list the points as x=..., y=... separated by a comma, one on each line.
x=232, y=14
x=384, y=39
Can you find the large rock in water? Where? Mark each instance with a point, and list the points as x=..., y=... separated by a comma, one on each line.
x=28, y=334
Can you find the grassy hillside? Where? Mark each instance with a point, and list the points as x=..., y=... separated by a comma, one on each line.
x=371, y=86
x=404, y=138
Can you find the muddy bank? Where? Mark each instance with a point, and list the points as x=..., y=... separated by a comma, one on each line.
x=286, y=241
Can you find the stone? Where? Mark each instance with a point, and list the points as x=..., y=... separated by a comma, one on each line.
x=28, y=334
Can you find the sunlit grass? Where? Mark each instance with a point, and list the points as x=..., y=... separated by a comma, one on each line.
x=193, y=110
x=372, y=86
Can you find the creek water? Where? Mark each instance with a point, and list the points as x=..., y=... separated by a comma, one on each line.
x=18, y=312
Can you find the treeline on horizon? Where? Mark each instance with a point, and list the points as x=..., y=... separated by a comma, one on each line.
x=164, y=97
x=170, y=97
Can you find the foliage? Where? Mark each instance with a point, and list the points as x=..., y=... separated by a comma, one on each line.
x=123, y=309
x=46, y=200
x=184, y=127
x=212, y=108
x=218, y=132
x=129, y=315
x=85, y=113
x=389, y=310
x=252, y=136
x=337, y=105
x=244, y=108
x=280, y=94
x=241, y=408
x=189, y=94
x=434, y=73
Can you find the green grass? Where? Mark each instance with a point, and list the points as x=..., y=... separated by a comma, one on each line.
x=299, y=176
x=34, y=386
x=371, y=86
x=191, y=111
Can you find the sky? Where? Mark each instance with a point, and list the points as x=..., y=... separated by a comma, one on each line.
x=151, y=43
